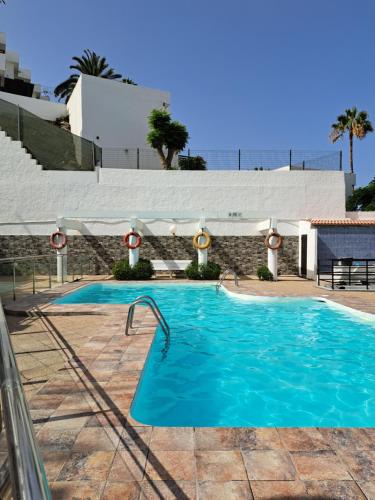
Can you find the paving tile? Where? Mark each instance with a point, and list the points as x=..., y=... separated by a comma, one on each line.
x=172, y=438
x=220, y=466
x=168, y=490
x=53, y=463
x=227, y=490
x=361, y=464
x=334, y=490
x=128, y=466
x=319, y=465
x=368, y=488
x=56, y=439
x=92, y=439
x=39, y=402
x=269, y=465
x=87, y=466
x=121, y=491
x=348, y=439
x=171, y=465
x=135, y=438
x=85, y=490
x=213, y=438
x=300, y=439
x=266, y=490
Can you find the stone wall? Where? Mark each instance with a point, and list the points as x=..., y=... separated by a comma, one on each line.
x=242, y=253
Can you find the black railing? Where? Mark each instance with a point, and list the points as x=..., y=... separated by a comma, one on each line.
x=240, y=159
x=347, y=272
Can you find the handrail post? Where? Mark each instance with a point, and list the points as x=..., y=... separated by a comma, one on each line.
x=33, y=261
x=340, y=161
x=49, y=273
x=19, y=124
x=14, y=280
x=367, y=274
x=290, y=159
x=318, y=272
x=332, y=276
x=239, y=159
x=137, y=158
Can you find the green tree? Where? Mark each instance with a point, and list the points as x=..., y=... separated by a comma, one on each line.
x=356, y=124
x=166, y=136
x=362, y=198
x=89, y=63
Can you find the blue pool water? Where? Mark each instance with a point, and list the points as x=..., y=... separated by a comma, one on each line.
x=279, y=362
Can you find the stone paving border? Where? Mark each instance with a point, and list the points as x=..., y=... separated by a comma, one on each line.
x=94, y=449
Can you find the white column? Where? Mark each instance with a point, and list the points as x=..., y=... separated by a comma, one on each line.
x=62, y=262
x=202, y=254
x=272, y=256
x=133, y=253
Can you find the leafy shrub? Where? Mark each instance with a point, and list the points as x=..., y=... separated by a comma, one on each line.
x=143, y=270
x=264, y=274
x=191, y=163
x=209, y=271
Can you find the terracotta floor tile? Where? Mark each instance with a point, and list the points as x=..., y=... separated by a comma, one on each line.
x=348, y=439
x=121, y=491
x=319, y=465
x=334, y=490
x=215, y=438
x=92, y=439
x=259, y=439
x=135, y=438
x=172, y=438
x=171, y=465
x=267, y=490
x=128, y=466
x=228, y=490
x=39, y=402
x=56, y=439
x=86, y=490
x=220, y=466
x=75, y=403
x=368, y=488
x=53, y=463
x=300, y=439
x=361, y=464
x=269, y=465
x=168, y=490
x=87, y=466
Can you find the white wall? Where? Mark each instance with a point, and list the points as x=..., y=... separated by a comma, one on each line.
x=305, y=227
x=30, y=197
x=44, y=109
x=113, y=111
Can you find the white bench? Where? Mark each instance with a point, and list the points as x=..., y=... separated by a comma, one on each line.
x=171, y=266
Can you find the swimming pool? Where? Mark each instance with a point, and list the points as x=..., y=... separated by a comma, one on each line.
x=286, y=362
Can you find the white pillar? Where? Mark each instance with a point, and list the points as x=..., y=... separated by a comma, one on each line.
x=272, y=256
x=62, y=263
x=202, y=256
x=133, y=253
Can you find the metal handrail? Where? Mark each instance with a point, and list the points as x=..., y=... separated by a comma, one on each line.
x=27, y=476
x=150, y=302
x=224, y=275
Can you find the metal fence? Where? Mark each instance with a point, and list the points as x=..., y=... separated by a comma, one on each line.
x=240, y=159
x=347, y=272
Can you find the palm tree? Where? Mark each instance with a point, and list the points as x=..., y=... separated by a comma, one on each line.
x=356, y=123
x=89, y=64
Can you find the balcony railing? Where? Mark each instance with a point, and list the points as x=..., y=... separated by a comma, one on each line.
x=22, y=475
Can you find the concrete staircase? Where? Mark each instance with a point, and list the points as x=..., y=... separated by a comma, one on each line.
x=14, y=151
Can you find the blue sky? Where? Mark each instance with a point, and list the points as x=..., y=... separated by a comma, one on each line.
x=266, y=74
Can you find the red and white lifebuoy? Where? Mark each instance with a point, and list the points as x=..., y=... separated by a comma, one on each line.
x=138, y=241
x=58, y=240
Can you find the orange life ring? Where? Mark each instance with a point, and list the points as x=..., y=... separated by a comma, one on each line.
x=278, y=244
x=138, y=241
x=207, y=240
x=58, y=245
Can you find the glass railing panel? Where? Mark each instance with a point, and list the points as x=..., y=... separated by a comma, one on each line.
x=54, y=147
x=9, y=119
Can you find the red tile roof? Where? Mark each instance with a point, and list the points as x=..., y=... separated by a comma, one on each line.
x=343, y=222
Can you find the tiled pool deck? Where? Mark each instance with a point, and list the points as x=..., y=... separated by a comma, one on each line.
x=93, y=449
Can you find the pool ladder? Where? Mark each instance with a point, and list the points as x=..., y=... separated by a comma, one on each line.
x=146, y=300
x=224, y=275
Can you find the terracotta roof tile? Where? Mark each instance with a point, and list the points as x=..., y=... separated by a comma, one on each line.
x=343, y=222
